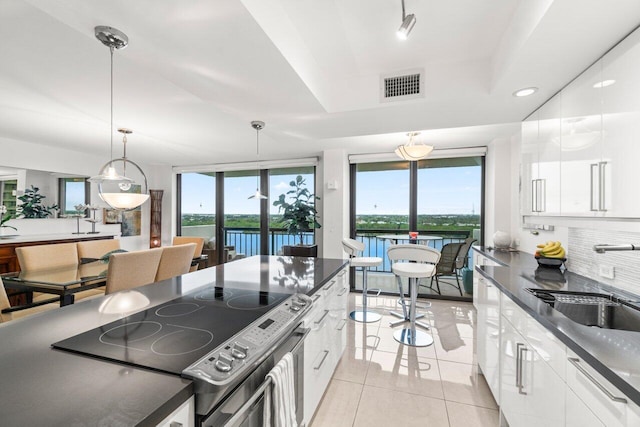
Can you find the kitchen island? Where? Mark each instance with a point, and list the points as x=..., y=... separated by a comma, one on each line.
x=42, y=385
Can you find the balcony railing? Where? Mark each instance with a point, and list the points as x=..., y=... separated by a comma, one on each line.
x=377, y=247
x=247, y=240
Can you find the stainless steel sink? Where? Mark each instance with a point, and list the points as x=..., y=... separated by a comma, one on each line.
x=593, y=309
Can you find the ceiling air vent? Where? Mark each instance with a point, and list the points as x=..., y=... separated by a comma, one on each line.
x=408, y=85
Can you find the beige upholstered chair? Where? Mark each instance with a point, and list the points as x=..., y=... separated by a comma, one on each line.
x=129, y=270
x=176, y=260
x=4, y=303
x=93, y=249
x=199, y=241
x=47, y=256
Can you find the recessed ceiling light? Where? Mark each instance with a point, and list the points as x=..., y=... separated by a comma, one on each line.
x=525, y=92
x=603, y=83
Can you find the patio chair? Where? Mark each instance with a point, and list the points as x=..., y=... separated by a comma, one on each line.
x=453, y=260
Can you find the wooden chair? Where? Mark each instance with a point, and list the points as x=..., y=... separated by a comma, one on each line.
x=175, y=261
x=47, y=256
x=199, y=241
x=129, y=270
x=95, y=249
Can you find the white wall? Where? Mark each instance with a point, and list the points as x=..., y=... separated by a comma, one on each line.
x=334, y=166
x=56, y=162
x=497, y=189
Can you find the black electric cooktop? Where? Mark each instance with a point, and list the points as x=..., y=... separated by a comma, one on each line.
x=172, y=336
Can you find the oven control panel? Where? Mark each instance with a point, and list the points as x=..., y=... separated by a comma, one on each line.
x=247, y=347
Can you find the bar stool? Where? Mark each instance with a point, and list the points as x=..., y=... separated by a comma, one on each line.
x=421, y=264
x=352, y=248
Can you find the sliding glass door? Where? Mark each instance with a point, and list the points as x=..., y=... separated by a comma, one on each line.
x=440, y=199
x=241, y=214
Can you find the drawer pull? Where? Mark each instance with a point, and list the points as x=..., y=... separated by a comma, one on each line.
x=326, y=353
x=576, y=362
x=319, y=321
x=342, y=273
x=330, y=285
x=316, y=297
x=344, y=290
x=344, y=322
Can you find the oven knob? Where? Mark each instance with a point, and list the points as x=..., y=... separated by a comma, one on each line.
x=239, y=351
x=295, y=306
x=224, y=362
x=300, y=301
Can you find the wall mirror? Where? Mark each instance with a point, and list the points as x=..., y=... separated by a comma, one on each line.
x=65, y=190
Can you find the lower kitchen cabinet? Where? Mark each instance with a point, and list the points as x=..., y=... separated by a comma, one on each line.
x=577, y=413
x=488, y=333
x=531, y=393
x=605, y=401
x=184, y=416
x=326, y=341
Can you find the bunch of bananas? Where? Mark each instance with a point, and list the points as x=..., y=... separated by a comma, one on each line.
x=551, y=249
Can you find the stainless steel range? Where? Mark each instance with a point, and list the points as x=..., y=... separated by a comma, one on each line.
x=224, y=339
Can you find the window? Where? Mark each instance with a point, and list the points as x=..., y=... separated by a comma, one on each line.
x=198, y=206
x=72, y=192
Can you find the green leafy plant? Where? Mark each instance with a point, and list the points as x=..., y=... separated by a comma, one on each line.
x=4, y=218
x=299, y=214
x=32, y=206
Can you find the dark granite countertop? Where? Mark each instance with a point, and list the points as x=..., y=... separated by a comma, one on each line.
x=613, y=353
x=41, y=385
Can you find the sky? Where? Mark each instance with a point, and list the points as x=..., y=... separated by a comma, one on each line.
x=198, y=194
x=452, y=190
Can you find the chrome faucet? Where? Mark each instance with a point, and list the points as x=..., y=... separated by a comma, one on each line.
x=602, y=248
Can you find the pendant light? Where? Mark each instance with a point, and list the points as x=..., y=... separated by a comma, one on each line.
x=258, y=126
x=114, y=186
x=412, y=151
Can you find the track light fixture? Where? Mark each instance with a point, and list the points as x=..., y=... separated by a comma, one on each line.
x=408, y=22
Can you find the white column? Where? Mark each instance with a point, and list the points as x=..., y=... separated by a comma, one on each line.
x=333, y=175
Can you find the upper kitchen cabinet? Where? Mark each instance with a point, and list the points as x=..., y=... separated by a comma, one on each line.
x=529, y=166
x=581, y=145
x=541, y=160
x=620, y=92
x=549, y=155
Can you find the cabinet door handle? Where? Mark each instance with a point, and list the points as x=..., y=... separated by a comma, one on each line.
x=534, y=196
x=518, y=371
x=601, y=182
x=319, y=321
x=342, y=273
x=342, y=324
x=344, y=290
x=542, y=194
x=592, y=205
x=326, y=353
x=316, y=297
x=521, y=351
x=330, y=285
x=576, y=362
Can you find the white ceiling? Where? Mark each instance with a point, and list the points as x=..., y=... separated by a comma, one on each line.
x=197, y=72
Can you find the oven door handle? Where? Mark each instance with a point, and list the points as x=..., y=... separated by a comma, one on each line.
x=263, y=388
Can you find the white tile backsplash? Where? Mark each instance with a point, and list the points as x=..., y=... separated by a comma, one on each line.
x=583, y=260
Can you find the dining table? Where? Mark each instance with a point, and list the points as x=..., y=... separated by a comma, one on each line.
x=63, y=281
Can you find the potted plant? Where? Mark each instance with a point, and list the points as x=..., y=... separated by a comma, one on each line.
x=299, y=215
x=32, y=206
x=4, y=219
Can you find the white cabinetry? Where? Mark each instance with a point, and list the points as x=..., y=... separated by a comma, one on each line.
x=488, y=333
x=584, y=141
x=531, y=392
x=326, y=341
x=541, y=157
x=621, y=127
x=184, y=416
x=605, y=401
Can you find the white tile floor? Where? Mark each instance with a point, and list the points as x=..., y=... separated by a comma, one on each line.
x=380, y=382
